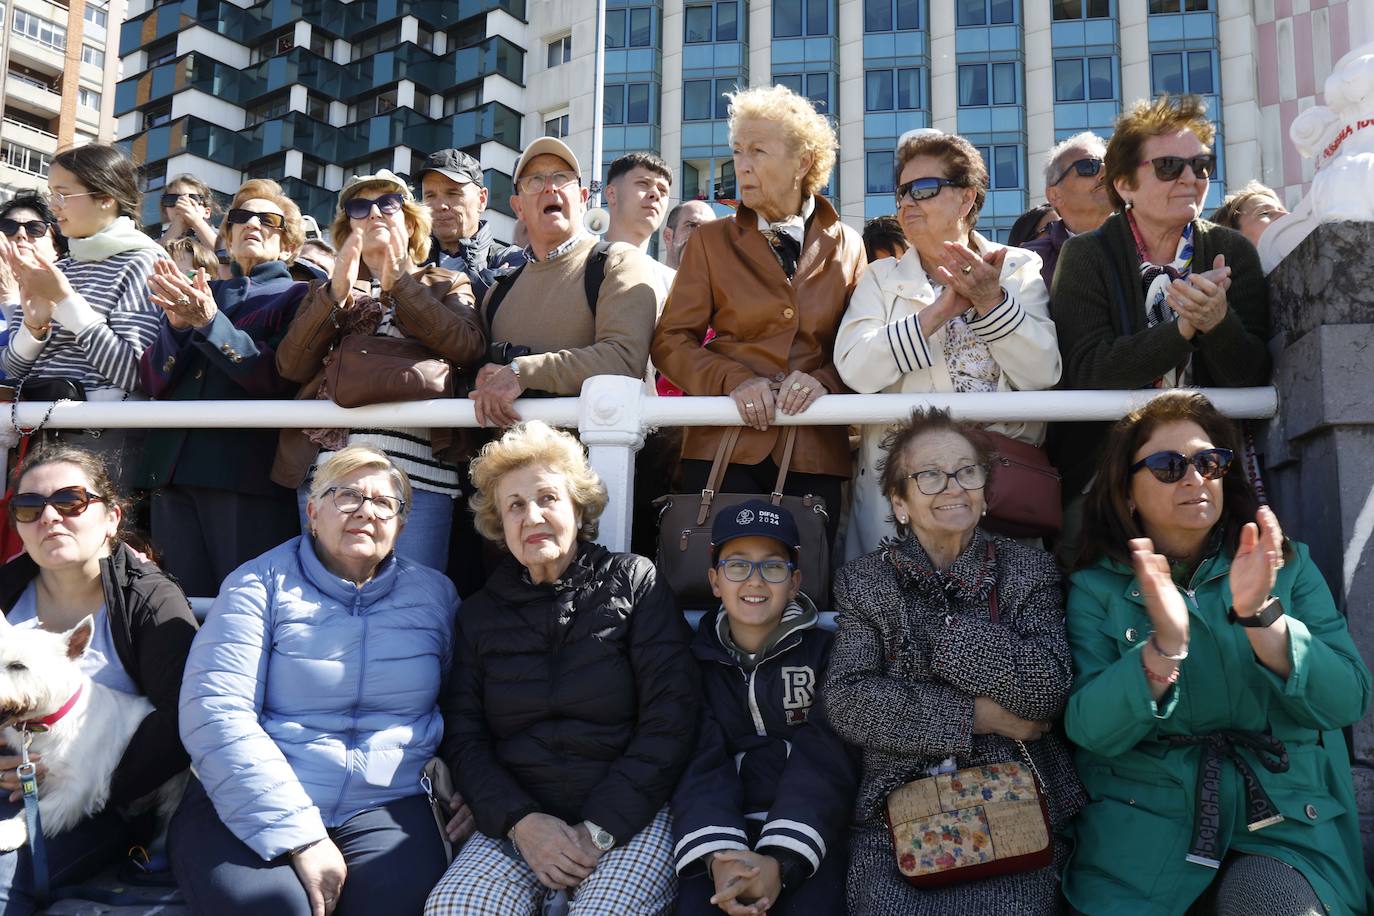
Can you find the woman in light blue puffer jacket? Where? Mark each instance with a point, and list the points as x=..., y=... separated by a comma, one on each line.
x=310, y=707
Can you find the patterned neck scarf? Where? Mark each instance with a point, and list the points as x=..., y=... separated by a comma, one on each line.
x=786, y=236
x=1156, y=279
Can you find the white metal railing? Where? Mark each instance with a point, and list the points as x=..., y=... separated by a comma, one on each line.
x=37, y=130
x=614, y=412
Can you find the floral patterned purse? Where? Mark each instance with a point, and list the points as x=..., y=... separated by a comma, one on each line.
x=972, y=823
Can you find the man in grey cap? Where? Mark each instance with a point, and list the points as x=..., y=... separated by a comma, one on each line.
x=450, y=183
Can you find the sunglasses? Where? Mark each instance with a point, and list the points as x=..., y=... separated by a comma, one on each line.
x=1168, y=168
x=1170, y=467
x=68, y=501
x=35, y=228
x=1086, y=168
x=923, y=188
x=738, y=569
x=361, y=207
x=170, y=200
x=239, y=217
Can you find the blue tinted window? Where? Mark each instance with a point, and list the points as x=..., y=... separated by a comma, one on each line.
x=817, y=17
x=787, y=18
x=972, y=12
x=818, y=91
x=1007, y=171
x=637, y=104
x=908, y=15
x=908, y=88
x=878, y=173
x=1003, y=11
x=615, y=28
x=973, y=84
x=877, y=15
x=792, y=81
x=1068, y=80
x=722, y=103
x=641, y=27
x=1004, y=84
x=1168, y=72
x=697, y=24
x=1100, y=82
x=878, y=90
x=727, y=21
x=613, y=111
x=696, y=100
x=1200, y=72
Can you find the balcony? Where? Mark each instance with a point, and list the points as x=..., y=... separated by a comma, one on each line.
x=187, y=135
x=34, y=95
x=490, y=122
x=222, y=18
x=31, y=52
x=496, y=56
x=29, y=136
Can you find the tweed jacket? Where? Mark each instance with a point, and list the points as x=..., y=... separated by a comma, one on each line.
x=915, y=646
x=766, y=326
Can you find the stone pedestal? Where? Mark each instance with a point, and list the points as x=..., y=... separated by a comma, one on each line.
x=1319, y=451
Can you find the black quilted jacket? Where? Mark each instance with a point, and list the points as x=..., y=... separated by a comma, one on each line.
x=577, y=698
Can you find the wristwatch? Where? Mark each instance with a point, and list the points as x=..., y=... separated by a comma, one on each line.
x=601, y=839
x=515, y=370
x=1271, y=610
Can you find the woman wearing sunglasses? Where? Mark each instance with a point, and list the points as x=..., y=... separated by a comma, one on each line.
x=214, y=505
x=69, y=515
x=187, y=206
x=1213, y=677
x=25, y=220
x=1156, y=296
x=87, y=317
x=957, y=312
x=950, y=650
x=381, y=233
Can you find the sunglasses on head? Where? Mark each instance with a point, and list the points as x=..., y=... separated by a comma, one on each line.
x=1085, y=167
x=239, y=217
x=361, y=207
x=33, y=227
x=170, y=200
x=1168, y=168
x=68, y=501
x=1171, y=467
x=923, y=188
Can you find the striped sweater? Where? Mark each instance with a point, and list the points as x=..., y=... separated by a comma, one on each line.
x=103, y=355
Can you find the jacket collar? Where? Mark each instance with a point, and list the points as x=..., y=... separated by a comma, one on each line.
x=817, y=248
x=468, y=249
x=342, y=590
x=969, y=578
x=116, y=571
x=712, y=642
x=511, y=581
x=909, y=278
x=267, y=270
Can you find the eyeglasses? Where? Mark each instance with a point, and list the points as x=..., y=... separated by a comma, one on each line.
x=1085, y=167
x=737, y=569
x=35, y=228
x=348, y=500
x=60, y=200
x=1170, y=467
x=537, y=184
x=923, y=188
x=1168, y=168
x=68, y=501
x=170, y=200
x=361, y=207
x=970, y=477
x=239, y=217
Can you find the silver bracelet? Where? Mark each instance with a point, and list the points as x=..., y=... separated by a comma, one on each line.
x=1164, y=655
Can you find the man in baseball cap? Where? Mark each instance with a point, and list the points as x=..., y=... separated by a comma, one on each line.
x=450, y=184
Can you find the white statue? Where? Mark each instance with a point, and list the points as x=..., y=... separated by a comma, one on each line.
x=1340, y=137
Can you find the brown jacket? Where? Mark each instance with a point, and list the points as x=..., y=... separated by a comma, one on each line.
x=730, y=280
x=433, y=305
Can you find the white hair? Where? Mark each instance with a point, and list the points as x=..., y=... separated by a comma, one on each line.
x=1085, y=140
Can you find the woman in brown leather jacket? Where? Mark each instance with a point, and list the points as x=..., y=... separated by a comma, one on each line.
x=773, y=282
x=381, y=234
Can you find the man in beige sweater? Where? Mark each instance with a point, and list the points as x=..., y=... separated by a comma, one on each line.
x=545, y=307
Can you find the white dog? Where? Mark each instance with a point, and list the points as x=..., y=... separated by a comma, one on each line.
x=39, y=677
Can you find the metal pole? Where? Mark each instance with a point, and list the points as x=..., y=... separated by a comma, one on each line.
x=598, y=102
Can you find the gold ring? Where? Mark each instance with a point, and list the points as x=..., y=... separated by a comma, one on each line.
x=806, y=391
x=967, y=268
x=183, y=302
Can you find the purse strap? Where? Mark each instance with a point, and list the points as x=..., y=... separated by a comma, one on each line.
x=789, y=442
x=724, y=450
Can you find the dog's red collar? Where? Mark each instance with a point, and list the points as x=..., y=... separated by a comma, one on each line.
x=48, y=721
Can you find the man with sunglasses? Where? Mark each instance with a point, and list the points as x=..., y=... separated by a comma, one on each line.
x=544, y=312
x=450, y=184
x=1074, y=186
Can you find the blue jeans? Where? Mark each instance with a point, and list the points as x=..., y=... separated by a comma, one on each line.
x=424, y=538
x=73, y=856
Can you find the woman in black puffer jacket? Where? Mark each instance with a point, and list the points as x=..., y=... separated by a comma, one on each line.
x=573, y=703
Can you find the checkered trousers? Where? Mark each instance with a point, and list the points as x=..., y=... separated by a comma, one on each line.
x=636, y=879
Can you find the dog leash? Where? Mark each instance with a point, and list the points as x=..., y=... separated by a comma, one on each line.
x=38, y=851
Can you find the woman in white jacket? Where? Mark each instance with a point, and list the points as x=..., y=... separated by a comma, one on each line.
x=956, y=312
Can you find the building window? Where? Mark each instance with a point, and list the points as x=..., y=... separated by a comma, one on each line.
x=463, y=100
x=92, y=55
x=266, y=111
x=626, y=104
x=96, y=15
x=712, y=22
x=557, y=126
x=986, y=12
x=161, y=52
x=879, y=171
x=425, y=39
x=630, y=28
x=891, y=15
x=380, y=103
x=559, y=51
x=312, y=172
x=377, y=41
x=1082, y=9
x=987, y=84
x=1179, y=6
x=794, y=18
x=43, y=31
x=322, y=45
x=1077, y=79
x=1180, y=72
x=703, y=100
x=317, y=107
x=156, y=117
x=892, y=90
x=24, y=159
x=1004, y=166
x=814, y=86
x=88, y=98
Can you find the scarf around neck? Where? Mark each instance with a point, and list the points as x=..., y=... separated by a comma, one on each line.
x=118, y=237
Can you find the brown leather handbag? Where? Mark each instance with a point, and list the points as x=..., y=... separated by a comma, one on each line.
x=684, y=529
x=370, y=369
x=1023, y=490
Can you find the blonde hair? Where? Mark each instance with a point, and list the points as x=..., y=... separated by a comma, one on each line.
x=201, y=256
x=348, y=461
x=292, y=230
x=1228, y=214
x=418, y=220
x=1145, y=119
x=535, y=443
x=806, y=129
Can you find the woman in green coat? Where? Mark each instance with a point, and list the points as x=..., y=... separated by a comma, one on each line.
x=1212, y=677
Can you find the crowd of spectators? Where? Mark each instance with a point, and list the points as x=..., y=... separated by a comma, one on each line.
x=1168, y=665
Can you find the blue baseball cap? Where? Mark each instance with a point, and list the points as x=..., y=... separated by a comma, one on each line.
x=755, y=518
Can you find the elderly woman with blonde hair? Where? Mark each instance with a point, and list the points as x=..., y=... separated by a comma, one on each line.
x=572, y=708
x=310, y=707
x=773, y=281
x=382, y=233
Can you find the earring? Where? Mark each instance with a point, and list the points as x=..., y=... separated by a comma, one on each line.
x=1130, y=204
x=901, y=519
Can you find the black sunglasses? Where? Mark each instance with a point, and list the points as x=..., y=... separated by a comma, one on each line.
x=170, y=200
x=239, y=217
x=68, y=501
x=35, y=228
x=1086, y=168
x=1168, y=168
x=923, y=188
x=361, y=207
x=1170, y=467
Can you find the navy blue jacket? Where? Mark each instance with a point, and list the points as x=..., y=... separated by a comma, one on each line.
x=768, y=769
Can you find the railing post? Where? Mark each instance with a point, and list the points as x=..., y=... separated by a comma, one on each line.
x=608, y=421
